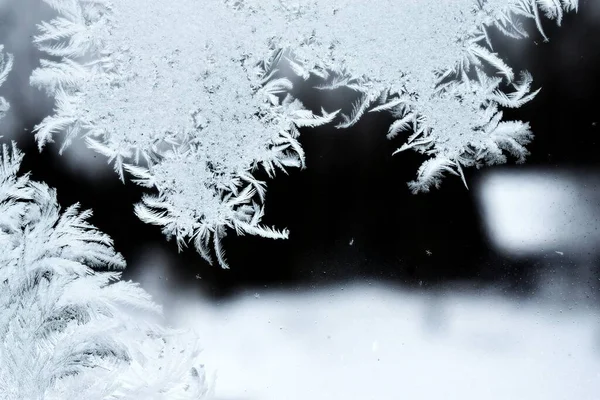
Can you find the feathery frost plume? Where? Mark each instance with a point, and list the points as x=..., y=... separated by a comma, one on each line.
x=68, y=330
x=430, y=63
x=185, y=96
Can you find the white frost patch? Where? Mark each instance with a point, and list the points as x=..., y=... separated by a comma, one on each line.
x=368, y=342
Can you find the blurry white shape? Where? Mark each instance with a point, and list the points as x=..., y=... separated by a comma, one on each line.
x=17, y=27
x=488, y=348
x=531, y=212
x=154, y=266
x=375, y=346
x=83, y=161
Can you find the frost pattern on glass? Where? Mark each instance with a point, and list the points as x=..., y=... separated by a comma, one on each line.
x=69, y=330
x=184, y=95
x=430, y=63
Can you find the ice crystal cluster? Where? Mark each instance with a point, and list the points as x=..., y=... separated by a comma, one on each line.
x=70, y=328
x=186, y=96
x=431, y=64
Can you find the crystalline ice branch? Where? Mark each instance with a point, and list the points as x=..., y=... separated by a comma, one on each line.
x=68, y=329
x=157, y=86
x=185, y=96
x=430, y=63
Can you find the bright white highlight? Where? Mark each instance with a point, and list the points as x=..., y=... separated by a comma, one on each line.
x=541, y=211
x=373, y=342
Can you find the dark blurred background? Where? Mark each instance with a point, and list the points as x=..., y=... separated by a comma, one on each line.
x=350, y=214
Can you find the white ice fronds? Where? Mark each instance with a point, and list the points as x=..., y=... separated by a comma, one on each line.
x=431, y=63
x=151, y=82
x=69, y=330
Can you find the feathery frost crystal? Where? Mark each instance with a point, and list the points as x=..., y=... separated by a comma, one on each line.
x=186, y=96
x=69, y=330
x=430, y=63
x=183, y=95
